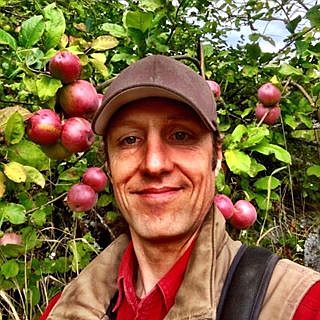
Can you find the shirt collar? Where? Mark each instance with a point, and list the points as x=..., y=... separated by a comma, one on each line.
x=168, y=285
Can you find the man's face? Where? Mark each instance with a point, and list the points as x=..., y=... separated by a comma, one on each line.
x=160, y=158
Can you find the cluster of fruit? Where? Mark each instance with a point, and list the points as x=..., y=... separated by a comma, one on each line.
x=242, y=214
x=60, y=138
x=268, y=110
x=78, y=100
x=82, y=196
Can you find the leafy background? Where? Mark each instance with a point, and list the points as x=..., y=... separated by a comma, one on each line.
x=275, y=167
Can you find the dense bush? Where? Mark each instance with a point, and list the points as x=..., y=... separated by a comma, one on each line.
x=275, y=167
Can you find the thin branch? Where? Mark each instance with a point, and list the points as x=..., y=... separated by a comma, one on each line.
x=174, y=27
x=185, y=57
x=16, y=102
x=202, y=67
x=305, y=93
x=104, y=84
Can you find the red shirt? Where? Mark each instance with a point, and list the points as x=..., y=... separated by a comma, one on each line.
x=156, y=304
x=308, y=309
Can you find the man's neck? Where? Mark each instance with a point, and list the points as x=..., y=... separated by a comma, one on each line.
x=155, y=260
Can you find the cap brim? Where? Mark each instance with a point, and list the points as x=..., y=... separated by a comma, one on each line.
x=104, y=114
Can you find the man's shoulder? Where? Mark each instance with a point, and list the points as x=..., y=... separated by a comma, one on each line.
x=117, y=247
x=289, y=283
x=87, y=296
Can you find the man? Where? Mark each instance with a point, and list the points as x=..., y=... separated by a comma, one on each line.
x=163, y=153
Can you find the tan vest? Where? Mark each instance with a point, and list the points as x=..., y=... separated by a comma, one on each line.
x=87, y=296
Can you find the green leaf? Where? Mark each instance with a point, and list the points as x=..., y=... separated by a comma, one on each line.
x=35, y=176
x=255, y=168
x=114, y=29
x=254, y=136
x=267, y=183
x=128, y=58
x=314, y=171
x=10, y=269
x=254, y=37
x=38, y=217
x=29, y=237
x=54, y=26
x=104, y=200
x=280, y=153
x=292, y=25
x=47, y=87
x=238, y=132
x=237, y=161
x=138, y=20
x=250, y=71
x=73, y=174
x=313, y=15
x=31, y=31
x=14, y=130
x=306, y=120
x=254, y=50
x=290, y=121
x=7, y=39
x=288, y=70
x=29, y=154
x=15, y=172
x=150, y=5
x=14, y=213
x=316, y=89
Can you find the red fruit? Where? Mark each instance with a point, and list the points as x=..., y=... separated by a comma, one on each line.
x=10, y=238
x=65, y=66
x=224, y=204
x=79, y=99
x=269, y=95
x=272, y=116
x=77, y=135
x=44, y=127
x=215, y=88
x=81, y=197
x=95, y=178
x=56, y=151
x=244, y=215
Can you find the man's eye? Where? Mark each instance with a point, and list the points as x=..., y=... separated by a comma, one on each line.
x=129, y=140
x=181, y=136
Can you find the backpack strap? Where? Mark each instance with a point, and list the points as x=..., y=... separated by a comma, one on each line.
x=246, y=284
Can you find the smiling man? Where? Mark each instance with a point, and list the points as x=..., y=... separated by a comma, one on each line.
x=163, y=152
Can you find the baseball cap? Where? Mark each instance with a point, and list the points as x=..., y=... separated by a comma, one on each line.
x=157, y=76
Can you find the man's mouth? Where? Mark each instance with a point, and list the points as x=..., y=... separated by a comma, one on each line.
x=158, y=193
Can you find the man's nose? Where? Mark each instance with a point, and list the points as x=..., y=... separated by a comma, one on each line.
x=157, y=158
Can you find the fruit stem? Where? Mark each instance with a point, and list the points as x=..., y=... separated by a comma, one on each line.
x=262, y=119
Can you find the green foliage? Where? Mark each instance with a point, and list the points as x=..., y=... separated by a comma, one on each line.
x=276, y=167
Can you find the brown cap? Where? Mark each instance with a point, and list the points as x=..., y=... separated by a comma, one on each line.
x=157, y=76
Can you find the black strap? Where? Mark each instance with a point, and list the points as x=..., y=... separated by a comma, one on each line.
x=112, y=315
x=246, y=284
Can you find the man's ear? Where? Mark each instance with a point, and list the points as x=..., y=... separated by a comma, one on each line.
x=108, y=172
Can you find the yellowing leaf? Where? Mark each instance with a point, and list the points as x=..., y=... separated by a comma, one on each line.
x=101, y=57
x=7, y=112
x=80, y=26
x=34, y=175
x=104, y=43
x=2, y=185
x=15, y=172
x=100, y=67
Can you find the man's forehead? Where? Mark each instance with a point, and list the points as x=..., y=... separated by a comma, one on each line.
x=157, y=107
